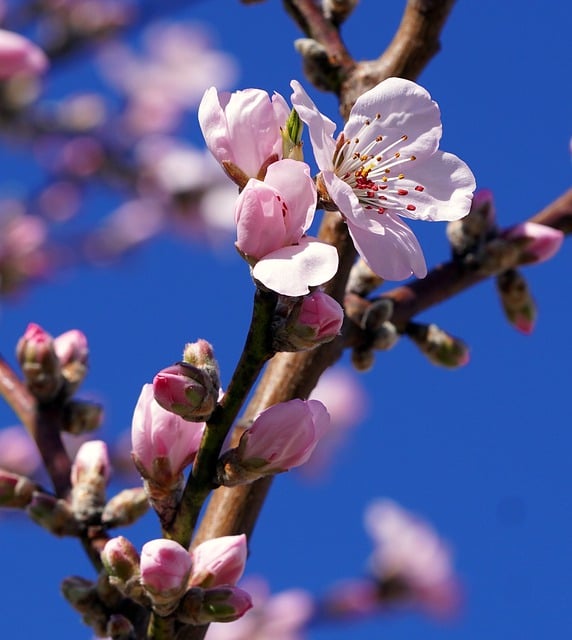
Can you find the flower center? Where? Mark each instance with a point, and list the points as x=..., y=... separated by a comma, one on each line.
x=369, y=165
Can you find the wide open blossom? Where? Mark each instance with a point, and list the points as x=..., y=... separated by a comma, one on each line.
x=386, y=165
x=272, y=218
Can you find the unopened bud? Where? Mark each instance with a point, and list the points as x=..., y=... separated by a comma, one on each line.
x=317, y=62
x=201, y=354
x=186, y=390
x=82, y=417
x=72, y=351
x=15, y=491
x=385, y=337
x=220, y=604
x=362, y=280
x=121, y=560
x=440, y=347
x=165, y=568
x=89, y=476
x=218, y=561
x=39, y=362
x=125, y=508
x=536, y=242
x=317, y=319
x=377, y=313
x=53, y=514
x=362, y=359
x=82, y=595
x=292, y=137
x=516, y=300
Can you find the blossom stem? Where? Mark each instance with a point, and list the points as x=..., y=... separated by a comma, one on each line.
x=160, y=628
x=257, y=351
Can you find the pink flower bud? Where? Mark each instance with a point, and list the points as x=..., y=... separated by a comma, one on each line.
x=186, y=390
x=165, y=567
x=89, y=475
x=15, y=491
x=282, y=437
x=440, y=347
x=39, y=362
x=516, y=300
x=162, y=438
x=120, y=559
x=242, y=130
x=219, y=561
x=19, y=55
x=321, y=315
x=537, y=241
x=220, y=604
x=72, y=351
x=18, y=452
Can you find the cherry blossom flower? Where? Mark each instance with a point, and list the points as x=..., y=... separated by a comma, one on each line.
x=19, y=55
x=272, y=217
x=386, y=165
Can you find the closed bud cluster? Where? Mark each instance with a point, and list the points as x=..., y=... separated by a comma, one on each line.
x=53, y=514
x=125, y=508
x=440, y=347
x=516, y=300
x=186, y=390
x=280, y=438
x=15, y=491
x=89, y=476
x=468, y=234
x=72, y=351
x=40, y=365
x=317, y=319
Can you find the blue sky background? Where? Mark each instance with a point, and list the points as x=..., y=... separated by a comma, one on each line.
x=484, y=453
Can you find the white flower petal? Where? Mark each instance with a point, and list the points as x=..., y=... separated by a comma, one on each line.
x=290, y=271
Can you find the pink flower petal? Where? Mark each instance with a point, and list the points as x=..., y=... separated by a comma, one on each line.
x=290, y=271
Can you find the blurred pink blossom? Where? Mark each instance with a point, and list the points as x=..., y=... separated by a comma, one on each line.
x=410, y=553
x=19, y=55
x=18, y=452
x=538, y=242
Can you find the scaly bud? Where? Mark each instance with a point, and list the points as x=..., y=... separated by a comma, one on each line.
x=121, y=562
x=363, y=280
x=53, y=514
x=72, y=351
x=200, y=354
x=337, y=11
x=186, y=390
x=82, y=417
x=280, y=438
x=125, y=508
x=517, y=302
x=440, y=347
x=40, y=364
x=89, y=476
x=83, y=597
x=219, y=561
x=468, y=234
x=221, y=604
x=120, y=628
x=165, y=568
x=15, y=491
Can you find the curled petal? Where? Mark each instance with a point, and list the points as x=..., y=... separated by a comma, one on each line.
x=290, y=271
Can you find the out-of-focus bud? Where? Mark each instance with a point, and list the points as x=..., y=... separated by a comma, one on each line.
x=83, y=597
x=89, y=476
x=317, y=319
x=218, y=561
x=19, y=56
x=385, y=337
x=280, y=438
x=72, y=351
x=163, y=443
x=516, y=300
x=18, y=452
x=15, y=491
x=440, y=347
x=536, y=242
x=362, y=280
x=125, y=508
x=468, y=234
x=40, y=365
x=165, y=568
x=53, y=514
x=362, y=359
x=82, y=417
x=377, y=313
x=352, y=598
x=120, y=628
x=187, y=391
x=120, y=559
x=200, y=354
x=221, y=604
x=337, y=11
x=292, y=137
